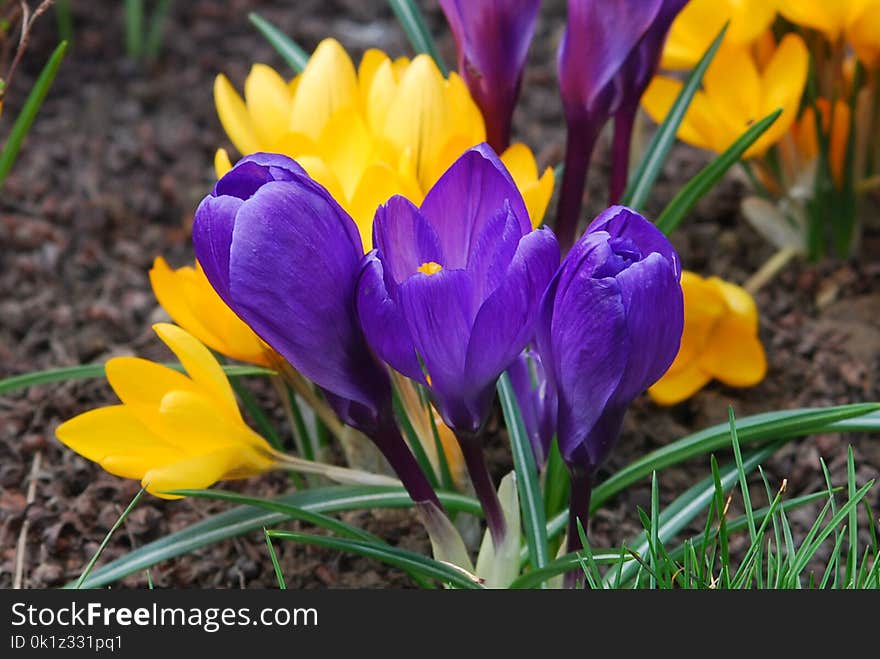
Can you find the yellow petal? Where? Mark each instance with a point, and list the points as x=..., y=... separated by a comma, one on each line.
x=115, y=438
x=377, y=185
x=346, y=147
x=327, y=84
x=658, y=100
x=733, y=356
x=703, y=307
x=190, y=300
x=829, y=16
x=234, y=115
x=738, y=301
x=378, y=94
x=198, y=361
x=222, y=164
x=466, y=118
x=691, y=33
x=520, y=162
x=141, y=385
x=202, y=471
x=863, y=32
x=416, y=118
x=268, y=102
x=733, y=88
x=190, y=420
x=675, y=387
x=782, y=86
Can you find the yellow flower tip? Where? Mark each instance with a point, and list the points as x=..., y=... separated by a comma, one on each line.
x=720, y=341
x=222, y=163
x=430, y=268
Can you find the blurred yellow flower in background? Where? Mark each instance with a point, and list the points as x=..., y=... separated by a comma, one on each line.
x=835, y=128
x=863, y=32
x=737, y=91
x=389, y=127
x=172, y=431
x=720, y=340
x=191, y=301
x=700, y=21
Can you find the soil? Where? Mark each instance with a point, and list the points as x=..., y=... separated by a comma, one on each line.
x=109, y=177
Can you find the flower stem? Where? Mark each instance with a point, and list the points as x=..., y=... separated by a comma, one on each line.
x=472, y=450
x=579, y=146
x=623, y=130
x=392, y=445
x=578, y=509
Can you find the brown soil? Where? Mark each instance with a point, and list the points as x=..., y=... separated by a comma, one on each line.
x=109, y=178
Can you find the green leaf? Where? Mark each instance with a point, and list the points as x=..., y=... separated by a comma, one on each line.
x=153, y=42
x=786, y=424
x=698, y=186
x=743, y=483
x=279, y=575
x=413, y=23
x=534, y=520
x=290, y=51
x=246, y=519
x=405, y=560
x=134, y=28
x=89, y=371
x=640, y=185
x=29, y=111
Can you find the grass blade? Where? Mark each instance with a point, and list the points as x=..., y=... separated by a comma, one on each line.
x=246, y=519
x=279, y=576
x=116, y=525
x=157, y=29
x=698, y=186
x=134, y=28
x=743, y=483
x=413, y=23
x=401, y=558
x=29, y=111
x=640, y=185
x=534, y=520
x=787, y=424
x=290, y=51
x=91, y=371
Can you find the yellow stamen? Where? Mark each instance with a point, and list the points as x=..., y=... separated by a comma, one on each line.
x=430, y=268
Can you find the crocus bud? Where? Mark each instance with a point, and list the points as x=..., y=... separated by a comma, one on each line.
x=610, y=325
x=493, y=37
x=285, y=257
x=607, y=52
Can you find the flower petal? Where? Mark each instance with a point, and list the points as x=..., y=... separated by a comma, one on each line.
x=234, y=115
x=405, y=239
x=733, y=356
x=383, y=323
x=505, y=322
x=620, y=221
x=679, y=385
x=268, y=102
x=466, y=198
x=212, y=238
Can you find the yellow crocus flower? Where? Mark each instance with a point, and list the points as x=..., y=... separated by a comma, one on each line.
x=191, y=301
x=720, y=340
x=863, y=32
x=172, y=431
x=700, y=22
x=736, y=93
x=835, y=127
x=389, y=127
x=831, y=17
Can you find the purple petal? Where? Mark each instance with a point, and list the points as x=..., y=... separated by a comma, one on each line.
x=599, y=37
x=439, y=315
x=293, y=266
x=382, y=321
x=505, y=322
x=466, y=198
x=212, y=237
x=253, y=171
x=492, y=252
x=405, y=238
x=623, y=222
x=583, y=342
x=655, y=318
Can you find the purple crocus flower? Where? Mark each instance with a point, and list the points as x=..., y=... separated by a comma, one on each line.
x=536, y=400
x=610, y=325
x=450, y=295
x=285, y=257
x=608, y=53
x=492, y=38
